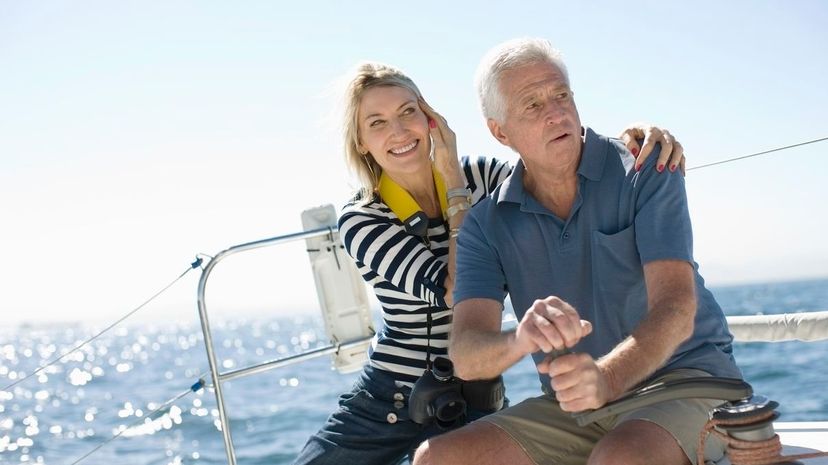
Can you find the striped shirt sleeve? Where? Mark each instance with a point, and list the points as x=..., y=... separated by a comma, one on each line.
x=376, y=239
x=483, y=175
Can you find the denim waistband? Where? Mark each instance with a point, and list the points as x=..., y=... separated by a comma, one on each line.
x=380, y=383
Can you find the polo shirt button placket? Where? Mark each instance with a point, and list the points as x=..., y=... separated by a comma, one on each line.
x=565, y=239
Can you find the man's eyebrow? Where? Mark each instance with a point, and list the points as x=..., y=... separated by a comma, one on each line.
x=532, y=90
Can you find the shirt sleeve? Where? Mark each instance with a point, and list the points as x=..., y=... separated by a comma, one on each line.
x=377, y=240
x=663, y=229
x=483, y=175
x=479, y=273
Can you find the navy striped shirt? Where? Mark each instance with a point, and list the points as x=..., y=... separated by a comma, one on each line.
x=407, y=273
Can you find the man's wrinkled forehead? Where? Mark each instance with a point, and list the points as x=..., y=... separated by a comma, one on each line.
x=520, y=82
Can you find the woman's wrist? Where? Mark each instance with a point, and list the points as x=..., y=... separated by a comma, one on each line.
x=459, y=194
x=456, y=209
x=452, y=175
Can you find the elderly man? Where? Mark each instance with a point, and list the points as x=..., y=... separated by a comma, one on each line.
x=596, y=257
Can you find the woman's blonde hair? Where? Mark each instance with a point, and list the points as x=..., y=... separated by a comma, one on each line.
x=366, y=76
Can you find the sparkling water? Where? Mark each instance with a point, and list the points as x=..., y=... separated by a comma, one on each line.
x=111, y=385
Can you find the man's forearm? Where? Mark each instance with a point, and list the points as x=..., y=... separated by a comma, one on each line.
x=649, y=347
x=481, y=354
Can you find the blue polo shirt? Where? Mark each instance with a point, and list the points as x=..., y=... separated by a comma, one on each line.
x=621, y=220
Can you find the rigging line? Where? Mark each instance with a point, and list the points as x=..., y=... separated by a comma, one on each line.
x=51, y=362
x=194, y=388
x=758, y=153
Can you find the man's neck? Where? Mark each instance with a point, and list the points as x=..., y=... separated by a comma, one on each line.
x=555, y=187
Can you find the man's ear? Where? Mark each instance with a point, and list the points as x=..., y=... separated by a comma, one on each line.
x=497, y=132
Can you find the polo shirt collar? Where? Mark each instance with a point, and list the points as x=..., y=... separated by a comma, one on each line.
x=593, y=156
x=591, y=167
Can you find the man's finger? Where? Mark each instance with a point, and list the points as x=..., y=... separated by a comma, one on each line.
x=542, y=333
x=564, y=381
x=549, y=337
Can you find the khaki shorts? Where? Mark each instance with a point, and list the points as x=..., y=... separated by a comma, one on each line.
x=551, y=436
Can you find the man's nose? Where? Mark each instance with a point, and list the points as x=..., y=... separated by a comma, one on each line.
x=554, y=112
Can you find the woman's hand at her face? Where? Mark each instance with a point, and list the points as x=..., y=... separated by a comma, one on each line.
x=445, y=147
x=671, y=156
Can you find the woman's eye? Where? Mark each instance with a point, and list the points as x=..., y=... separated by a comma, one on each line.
x=376, y=123
x=408, y=111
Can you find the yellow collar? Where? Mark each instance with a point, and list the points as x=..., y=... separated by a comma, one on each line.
x=405, y=207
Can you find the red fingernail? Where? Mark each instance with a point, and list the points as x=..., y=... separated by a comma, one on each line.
x=638, y=168
x=431, y=123
x=660, y=168
x=672, y=168
x=635, y=151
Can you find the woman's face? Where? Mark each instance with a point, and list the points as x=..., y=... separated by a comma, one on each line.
x=394, y=129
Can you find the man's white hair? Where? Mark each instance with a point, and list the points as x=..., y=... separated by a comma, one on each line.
x=511, y=54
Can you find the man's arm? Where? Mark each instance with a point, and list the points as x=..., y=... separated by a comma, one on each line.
x=480, y=350
x=581, y=383
x=671, y=301
x=477, y=347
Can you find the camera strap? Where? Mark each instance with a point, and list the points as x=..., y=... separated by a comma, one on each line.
x=428, y=339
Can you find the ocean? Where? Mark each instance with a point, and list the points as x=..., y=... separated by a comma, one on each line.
x=72, y=407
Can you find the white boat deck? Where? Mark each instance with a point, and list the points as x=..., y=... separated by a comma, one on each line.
x=801, y=438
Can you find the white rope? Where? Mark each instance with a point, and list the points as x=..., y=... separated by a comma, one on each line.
x=811, y=326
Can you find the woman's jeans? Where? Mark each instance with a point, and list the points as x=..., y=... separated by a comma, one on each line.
x=371, y=426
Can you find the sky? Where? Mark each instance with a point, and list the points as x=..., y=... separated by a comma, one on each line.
x=135, y=135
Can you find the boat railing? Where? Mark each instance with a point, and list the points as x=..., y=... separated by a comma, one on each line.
x=219, y=377
x=808, y=327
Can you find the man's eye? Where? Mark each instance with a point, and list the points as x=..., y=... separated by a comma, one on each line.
x=562, y=96
x=532, y=106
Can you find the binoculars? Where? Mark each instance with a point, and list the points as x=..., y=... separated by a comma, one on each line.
x=441, y=397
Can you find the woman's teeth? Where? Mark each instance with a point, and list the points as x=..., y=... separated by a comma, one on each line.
x=403, y=149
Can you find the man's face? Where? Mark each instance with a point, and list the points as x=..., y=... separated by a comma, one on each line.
x=541, y=122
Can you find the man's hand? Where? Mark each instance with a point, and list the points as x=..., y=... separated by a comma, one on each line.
x=550, y=324
x=578, y=381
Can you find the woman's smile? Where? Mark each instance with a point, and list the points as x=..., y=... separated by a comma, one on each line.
x=405, y=149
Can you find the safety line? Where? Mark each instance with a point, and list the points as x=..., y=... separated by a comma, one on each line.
x=192, y=266
x=194, y=388
x=758, y=153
